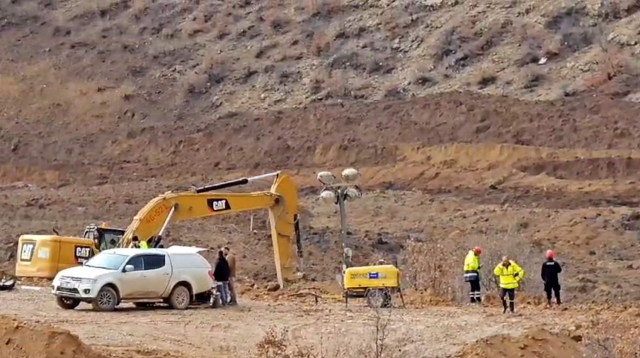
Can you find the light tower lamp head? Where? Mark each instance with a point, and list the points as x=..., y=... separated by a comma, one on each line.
x=328, y=196
x=353, y=193
x=326, y=178
x=350, y=175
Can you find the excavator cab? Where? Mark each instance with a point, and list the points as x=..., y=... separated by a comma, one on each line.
x=104, y=237
x=45, y=255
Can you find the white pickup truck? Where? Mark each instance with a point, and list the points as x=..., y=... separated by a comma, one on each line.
x=178, y=276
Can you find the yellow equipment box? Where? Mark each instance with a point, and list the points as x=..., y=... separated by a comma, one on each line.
x=366, y=277
x=45, y=255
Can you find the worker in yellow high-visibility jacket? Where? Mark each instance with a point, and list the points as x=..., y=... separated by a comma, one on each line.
x=138, y=244
x=472, y=274
x=510, y=275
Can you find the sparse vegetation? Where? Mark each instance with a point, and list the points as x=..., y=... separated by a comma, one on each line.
x=373, y=342
x=384, y=47
x=429, y=265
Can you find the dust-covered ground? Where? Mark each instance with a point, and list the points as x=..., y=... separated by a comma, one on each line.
x=234, y=332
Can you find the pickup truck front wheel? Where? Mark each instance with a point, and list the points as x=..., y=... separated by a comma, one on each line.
x=180, y=298
x=106, y=300
x=67, y=303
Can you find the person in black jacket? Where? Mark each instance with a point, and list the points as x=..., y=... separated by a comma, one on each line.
x=549, y=274
x=221, y=273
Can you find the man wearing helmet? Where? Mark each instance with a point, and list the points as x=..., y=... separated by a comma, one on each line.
x=472, y=274
x=549, y=274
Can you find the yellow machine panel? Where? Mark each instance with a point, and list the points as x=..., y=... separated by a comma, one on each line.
x=45, y=255
x=365, y=277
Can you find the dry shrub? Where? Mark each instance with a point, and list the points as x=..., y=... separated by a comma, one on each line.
x=463, y=43
x=278, y=345
x=615, y=61
x=530, y=77
x=617, y=73
x=316, y=81
x=607, y=341
x=337, y=85
x=435, y=266
x=277, y=21
x=323, y=7
x=422, y=75
x=485, y=78
x=430, y=267
x=393, y=90
x=195, y=26
x=139, y=7
x=571, y=25
x=210, y=73
x=618, y=9
x=320, y=44
x=373, y=342
x=197, y=83
x=536, y=44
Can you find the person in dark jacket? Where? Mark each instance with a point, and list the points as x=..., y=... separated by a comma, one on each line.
x=549, y=274
x=221, y=274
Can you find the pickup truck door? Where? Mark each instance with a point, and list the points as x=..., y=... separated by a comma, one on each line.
x=158, y=269
x=132, y=283
x=149, y=278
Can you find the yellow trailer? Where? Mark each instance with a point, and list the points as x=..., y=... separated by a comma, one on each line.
x=377, y=283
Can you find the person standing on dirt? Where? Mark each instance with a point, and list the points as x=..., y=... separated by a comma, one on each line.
x=472, y=274
x=510, y=275
x=221, y=274
x=549, y=274
x=231, y=259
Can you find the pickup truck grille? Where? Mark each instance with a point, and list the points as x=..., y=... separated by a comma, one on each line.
x=68, y=290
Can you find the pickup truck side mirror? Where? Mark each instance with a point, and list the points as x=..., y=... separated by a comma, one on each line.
x=128, y=268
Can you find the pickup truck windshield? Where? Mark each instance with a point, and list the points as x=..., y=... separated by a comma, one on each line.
x=106, y=261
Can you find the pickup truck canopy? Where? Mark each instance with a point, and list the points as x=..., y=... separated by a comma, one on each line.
x=185, y=249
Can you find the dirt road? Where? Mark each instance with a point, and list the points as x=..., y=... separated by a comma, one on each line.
x=434, y=332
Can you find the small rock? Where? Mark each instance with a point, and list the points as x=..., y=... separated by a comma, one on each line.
x=576, y=337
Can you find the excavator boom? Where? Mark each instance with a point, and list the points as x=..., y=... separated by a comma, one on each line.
x=190, y=206
x=281, y=201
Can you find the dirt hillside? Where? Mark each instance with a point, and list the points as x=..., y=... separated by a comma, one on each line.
x=179, y=59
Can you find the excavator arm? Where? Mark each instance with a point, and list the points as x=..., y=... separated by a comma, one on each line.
x=281, y=201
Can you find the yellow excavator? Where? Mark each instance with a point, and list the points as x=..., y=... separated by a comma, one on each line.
x=45, y=255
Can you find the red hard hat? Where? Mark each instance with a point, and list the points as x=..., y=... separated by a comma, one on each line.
x=477, y=250
x=550, y=254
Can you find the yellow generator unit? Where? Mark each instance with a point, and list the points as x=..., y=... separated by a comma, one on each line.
x=377, y=283
x=45, y=255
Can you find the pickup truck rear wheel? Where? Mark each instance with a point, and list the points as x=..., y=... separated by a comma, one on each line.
x=180, y=298
x=106, y=300
x=67, y=303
